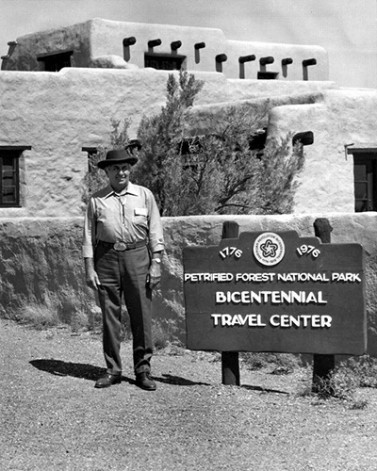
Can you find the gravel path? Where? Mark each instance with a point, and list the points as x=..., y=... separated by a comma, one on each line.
x=52, y=418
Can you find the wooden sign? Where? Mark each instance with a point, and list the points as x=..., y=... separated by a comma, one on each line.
x=275, y=292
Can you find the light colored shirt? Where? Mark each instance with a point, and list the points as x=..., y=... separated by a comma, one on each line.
x=130, y=217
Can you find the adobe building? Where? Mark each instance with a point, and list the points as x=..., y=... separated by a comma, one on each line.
x=59, y=90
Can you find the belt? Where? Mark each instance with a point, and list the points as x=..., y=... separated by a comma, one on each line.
x=122, y=246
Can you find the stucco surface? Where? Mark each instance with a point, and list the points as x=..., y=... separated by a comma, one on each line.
x=279, y=52
x=33, y=46
x=344, y=117
x=41, y=264
x=336, y=117
x=98, y=37
x=58, y=114
x=248, y=88
x=108, y=36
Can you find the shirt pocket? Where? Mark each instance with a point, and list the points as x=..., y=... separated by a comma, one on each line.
x=140, y=217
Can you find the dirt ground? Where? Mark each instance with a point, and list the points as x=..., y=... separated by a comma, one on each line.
x=52, y=418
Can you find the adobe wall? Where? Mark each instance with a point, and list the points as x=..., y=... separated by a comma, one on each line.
x=99, y=38
x=25, y=53
x=345, y=117
x=336, y=117
x=41, y=264
x=107, y=37
x=279, y=52
x=58, y=114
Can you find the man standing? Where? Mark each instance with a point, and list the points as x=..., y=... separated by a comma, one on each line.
x=122, y=247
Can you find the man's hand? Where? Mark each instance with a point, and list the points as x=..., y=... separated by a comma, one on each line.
x=92, y=279
x=154, y=275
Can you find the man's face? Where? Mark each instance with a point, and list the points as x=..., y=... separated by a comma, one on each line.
x=118, y=175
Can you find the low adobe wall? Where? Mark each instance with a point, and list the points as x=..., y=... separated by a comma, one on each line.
x=41, y=263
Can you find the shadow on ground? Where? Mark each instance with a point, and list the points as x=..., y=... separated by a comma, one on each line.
x=62, y=368
x=264, y=390
x=179, y=381
x=92, y=373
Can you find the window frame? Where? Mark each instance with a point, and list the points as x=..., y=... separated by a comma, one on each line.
x=15, y=153
x=365, y=156
x=169, y=58
x=91, y=152
x=62, y=55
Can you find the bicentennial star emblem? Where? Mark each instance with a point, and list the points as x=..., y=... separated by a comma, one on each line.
x=269, y=248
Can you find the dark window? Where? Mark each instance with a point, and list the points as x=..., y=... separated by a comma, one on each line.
x=9, y=182
x=265, y=75
x=163, y=61
x=365, y=177
x=55, y=62
x=92, y=158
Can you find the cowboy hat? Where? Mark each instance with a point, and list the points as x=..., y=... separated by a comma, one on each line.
x=118, y=156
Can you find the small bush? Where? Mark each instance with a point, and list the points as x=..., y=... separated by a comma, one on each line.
x=365, y=368
x=345, y=379
x=356, y=372
x=341, y=384
x=219, y=172
x=37, y=315
x=95, y=319
x=281, y=363
x=63, y=307
x=161, y=336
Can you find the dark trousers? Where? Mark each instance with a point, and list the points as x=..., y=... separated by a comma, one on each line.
x=125, y=274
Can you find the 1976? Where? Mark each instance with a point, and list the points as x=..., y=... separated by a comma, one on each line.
x=307, y=250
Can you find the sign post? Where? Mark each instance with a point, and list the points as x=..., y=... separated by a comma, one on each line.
x=322, y=364
x=274, y=292
x=230, y=367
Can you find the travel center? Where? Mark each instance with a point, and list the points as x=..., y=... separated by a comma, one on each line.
x=275, y=292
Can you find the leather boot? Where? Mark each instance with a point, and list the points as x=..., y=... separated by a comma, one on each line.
x=144, y=381
x=107, y=380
